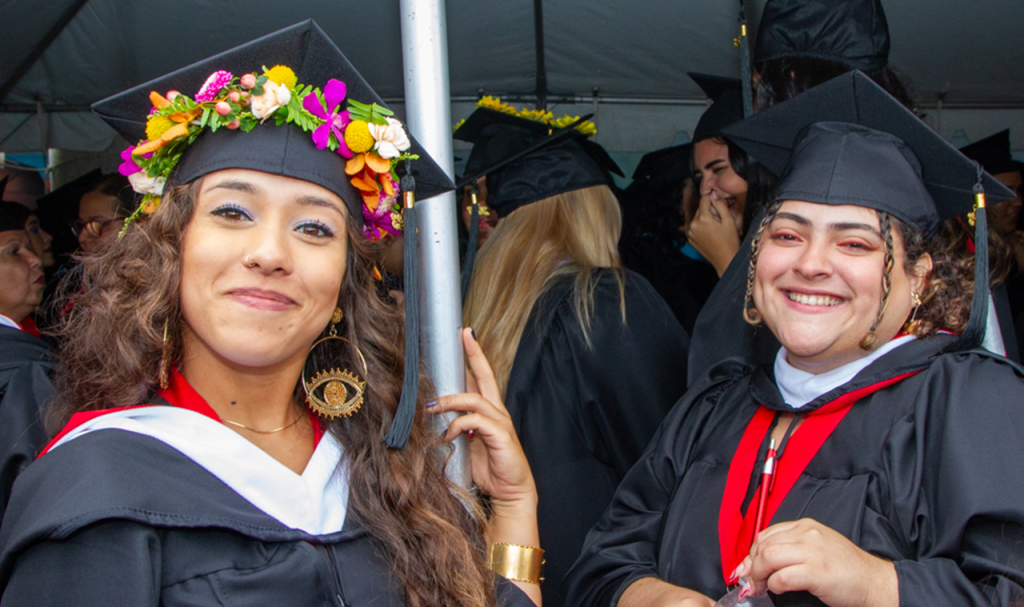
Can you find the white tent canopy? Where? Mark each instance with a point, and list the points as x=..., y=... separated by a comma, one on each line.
x=62, y=55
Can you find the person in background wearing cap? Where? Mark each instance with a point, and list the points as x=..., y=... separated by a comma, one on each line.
x=39, y=243
x=800, y=44
x=587, y=355
x=236, y=424
x=657, y=207
x=39, y=239
x=102, y=211
x=719, y=171
x=26, y=366
x=874, y=462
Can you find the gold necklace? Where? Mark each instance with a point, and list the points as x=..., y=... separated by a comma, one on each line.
x=244, y=427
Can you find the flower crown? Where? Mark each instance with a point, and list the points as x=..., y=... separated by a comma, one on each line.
x=368, y=136
x=586, y=127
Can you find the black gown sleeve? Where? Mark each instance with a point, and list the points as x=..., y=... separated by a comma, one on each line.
x=22, y=435
x=109, y=563
x=720, y=331
x=957, y=487
x=623, y=547
x=633, y=373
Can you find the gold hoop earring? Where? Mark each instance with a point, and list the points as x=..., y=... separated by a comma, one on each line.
x=912, y=324
x=342, y=392
x=165, y=361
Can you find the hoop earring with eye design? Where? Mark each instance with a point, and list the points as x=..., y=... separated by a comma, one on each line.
x=335, y=392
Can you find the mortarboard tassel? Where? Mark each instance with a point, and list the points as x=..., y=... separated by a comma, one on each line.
x=746, y=75
x=398, y=435
x=974, y=333
x=474, y=237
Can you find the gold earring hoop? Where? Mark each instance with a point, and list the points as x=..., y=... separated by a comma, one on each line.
x=165, y=361
x=340, y=391
x=912, y=323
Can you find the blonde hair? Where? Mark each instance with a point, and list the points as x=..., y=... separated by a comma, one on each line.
x=567, y=234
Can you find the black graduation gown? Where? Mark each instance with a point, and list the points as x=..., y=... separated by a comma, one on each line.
x=26, y=368
x=584, y=414
x=720, y=331
x=925, y=472
x=118, y=518
x=684, y=283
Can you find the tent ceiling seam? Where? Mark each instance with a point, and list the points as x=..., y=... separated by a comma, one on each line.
x=40, y=48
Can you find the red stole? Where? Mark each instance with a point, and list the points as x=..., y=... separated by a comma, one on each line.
x=736, y=530
x=179, y=394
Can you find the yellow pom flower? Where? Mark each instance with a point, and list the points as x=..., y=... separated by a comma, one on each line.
x=495, y=103
x=538, y=115
x=586, y=127
x=358, y=137
x=282, y=75
x=156, y=126
x=458, y=124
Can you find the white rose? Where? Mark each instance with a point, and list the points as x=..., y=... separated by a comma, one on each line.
x=391, y=138
x=144, y=184
x=274, y=96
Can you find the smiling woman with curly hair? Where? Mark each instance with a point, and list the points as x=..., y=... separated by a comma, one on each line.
x=874, y=463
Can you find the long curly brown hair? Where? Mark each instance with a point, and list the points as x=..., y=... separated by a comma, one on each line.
x=112, y=357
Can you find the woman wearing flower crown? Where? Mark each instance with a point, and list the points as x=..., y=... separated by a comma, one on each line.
x=189, y=469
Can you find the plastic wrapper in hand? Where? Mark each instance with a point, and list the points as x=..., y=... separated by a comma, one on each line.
x=743, y=595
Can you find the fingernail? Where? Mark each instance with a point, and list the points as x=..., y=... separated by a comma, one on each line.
x=431, y=403
x=734, y=575
x=473, y=333
x=470, y=433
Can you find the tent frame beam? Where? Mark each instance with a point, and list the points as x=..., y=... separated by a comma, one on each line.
x=40, y=48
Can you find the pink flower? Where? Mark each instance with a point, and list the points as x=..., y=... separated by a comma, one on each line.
x=128, y=167
x=213, y=85
x=335, y=121
x=377, y=224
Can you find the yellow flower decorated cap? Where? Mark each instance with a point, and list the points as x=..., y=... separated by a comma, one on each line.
x=289, y=104
x=499, y=132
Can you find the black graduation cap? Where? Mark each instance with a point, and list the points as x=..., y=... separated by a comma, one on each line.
x=9, y=222
x=559, y=160
x=284, y=150
x=16, y=211
x=993, y=152
x=662, y=169
x=851, y=32
x=289, y=151
x=727, y=95
x=849, y=142
x=60, y=207
x=771, y=137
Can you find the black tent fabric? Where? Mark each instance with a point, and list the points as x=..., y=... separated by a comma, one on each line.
x=61, y=55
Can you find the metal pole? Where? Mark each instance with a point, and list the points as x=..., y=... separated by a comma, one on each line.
x=428, y=115
x=538, y=40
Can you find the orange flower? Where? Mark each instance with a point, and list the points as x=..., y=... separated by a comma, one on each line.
x=178, y=130
x=365, y=184
x=356, y=164
x=378, y=164
x=158, y=100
